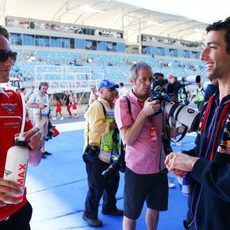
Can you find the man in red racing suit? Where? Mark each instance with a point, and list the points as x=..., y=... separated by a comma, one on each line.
x=13, y=214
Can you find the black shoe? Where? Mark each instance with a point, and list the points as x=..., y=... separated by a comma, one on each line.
x=92, y=222
x=115, y=212
x=47, y=153
x=43, y=156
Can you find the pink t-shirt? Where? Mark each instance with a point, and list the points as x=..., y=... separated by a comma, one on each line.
x=144, y=155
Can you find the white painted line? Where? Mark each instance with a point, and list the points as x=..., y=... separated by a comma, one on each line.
x=72, y=126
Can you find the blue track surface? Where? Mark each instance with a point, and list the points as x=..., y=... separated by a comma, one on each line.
x=58, y=186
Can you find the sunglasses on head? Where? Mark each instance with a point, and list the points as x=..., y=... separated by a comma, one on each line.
x=4, y=55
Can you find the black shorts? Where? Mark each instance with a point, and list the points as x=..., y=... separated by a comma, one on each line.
x=19, y=220
x=152, y=188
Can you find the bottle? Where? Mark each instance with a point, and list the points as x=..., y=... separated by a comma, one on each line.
x=16, y=165
x=186, y=184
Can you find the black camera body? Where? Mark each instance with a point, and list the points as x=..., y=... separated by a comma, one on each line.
x=159, y=83
x=160, y=96
x=91, y=153
x=117, y=161
x=117, y=164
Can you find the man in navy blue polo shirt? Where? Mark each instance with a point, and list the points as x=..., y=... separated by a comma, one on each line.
x=209, y=162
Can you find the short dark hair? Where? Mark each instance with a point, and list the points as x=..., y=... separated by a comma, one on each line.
x=222, y=25
x=4, y=32
x=158, y=74
x=43, y=83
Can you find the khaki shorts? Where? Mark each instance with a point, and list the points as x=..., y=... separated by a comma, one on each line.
x=42, y=123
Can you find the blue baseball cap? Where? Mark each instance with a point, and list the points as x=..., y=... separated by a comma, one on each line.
x=107, y=84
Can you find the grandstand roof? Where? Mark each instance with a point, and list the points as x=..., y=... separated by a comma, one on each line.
x=107, y=14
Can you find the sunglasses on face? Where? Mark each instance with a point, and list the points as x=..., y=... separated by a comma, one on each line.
x=4, y=55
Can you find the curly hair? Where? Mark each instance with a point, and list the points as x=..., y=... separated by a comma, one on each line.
x=222, y=25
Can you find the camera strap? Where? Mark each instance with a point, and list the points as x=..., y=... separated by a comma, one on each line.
x=104, y=111
x=171, y=113
x=115, y=131
x=103, y=107
x=128, y=103
x=223, y=119
x=129, y=110
x=182, y=135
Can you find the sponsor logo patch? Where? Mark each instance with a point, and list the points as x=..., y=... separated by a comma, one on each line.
x=9, y=106
x=12, y=124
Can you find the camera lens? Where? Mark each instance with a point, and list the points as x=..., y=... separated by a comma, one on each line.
x=111, y=171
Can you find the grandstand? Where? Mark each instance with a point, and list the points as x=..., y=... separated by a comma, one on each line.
x=73, y=44
x=73, y=49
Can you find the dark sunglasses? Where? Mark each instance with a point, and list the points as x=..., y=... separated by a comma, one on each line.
x=4, y=55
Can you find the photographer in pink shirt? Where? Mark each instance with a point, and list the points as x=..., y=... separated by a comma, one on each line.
x=141, y=128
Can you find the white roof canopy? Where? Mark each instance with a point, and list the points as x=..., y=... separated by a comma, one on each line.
x=107, y=14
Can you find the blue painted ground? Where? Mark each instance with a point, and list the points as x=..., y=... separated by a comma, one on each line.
x=58, y=186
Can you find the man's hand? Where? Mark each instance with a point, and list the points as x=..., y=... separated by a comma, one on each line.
x=180, y=161
x=151, y=107
x=113, y=125
x=179, y=173
x=8, y=189
x=180, y=129
x=41, y=105
x=177, y=131
x=34, y=137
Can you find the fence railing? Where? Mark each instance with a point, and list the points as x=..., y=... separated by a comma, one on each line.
x=67, y=78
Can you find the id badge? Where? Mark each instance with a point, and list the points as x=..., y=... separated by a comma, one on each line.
x=153, y=133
